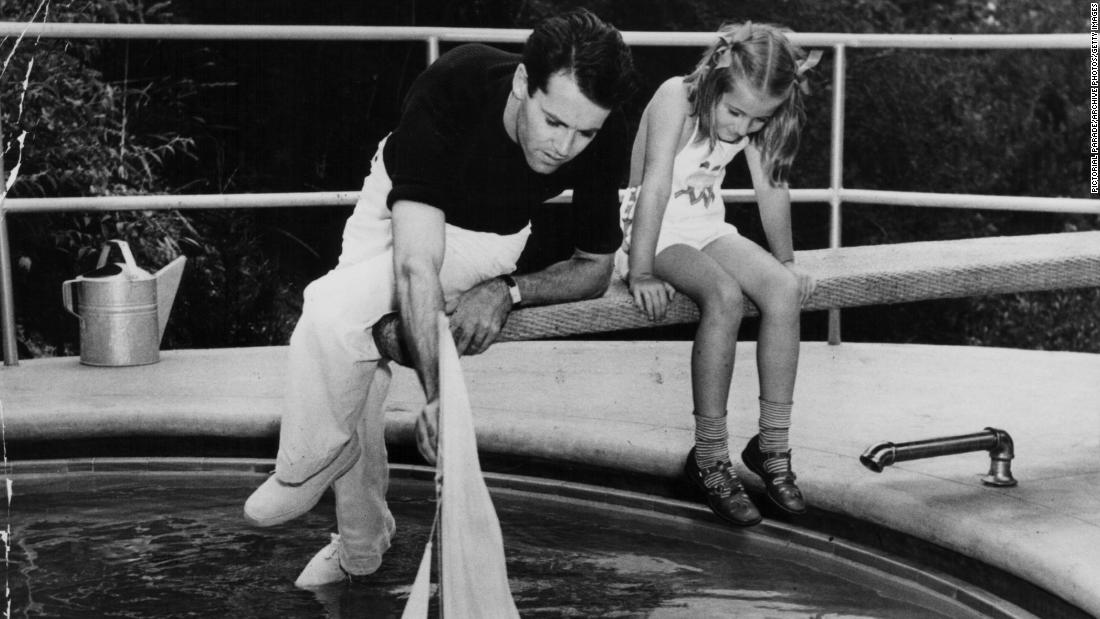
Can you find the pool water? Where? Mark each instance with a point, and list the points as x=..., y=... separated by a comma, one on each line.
x=175, y=545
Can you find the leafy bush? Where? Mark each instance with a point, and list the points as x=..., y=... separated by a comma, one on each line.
x=92, y=129
x=112, y=118
x=74, y=132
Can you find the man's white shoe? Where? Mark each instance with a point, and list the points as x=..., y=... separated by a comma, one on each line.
x=276, y=502
x=324, y=568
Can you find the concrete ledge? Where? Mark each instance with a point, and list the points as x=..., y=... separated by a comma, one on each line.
x=626, y=406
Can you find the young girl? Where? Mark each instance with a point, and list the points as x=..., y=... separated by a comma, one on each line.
x=745, y=95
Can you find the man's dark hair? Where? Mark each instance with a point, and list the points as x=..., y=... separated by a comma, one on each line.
x=586, y=47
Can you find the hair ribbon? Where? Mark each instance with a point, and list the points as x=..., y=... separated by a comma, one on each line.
x=807, y=63
x=723, y=56
x=744, y=33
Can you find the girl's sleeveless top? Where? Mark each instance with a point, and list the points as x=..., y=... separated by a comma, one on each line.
x=697, y=174
x=696, y=190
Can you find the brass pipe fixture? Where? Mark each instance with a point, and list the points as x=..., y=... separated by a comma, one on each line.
x=997, y=442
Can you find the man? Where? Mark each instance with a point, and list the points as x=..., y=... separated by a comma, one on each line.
x=485, y=137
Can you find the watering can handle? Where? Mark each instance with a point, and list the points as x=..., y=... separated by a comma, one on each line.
x=127, y=255
x=67, y=296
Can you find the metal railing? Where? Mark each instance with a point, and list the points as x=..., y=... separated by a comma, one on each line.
x=835, y=195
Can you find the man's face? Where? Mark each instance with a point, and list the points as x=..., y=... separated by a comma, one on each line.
x=555, y=125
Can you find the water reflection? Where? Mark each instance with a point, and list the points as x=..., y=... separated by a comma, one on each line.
x=157, y=546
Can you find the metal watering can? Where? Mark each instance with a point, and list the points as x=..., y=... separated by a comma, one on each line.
x=122, y=309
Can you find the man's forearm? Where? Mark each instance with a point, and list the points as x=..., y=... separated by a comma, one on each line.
x=418, y=242
x=420, y=299
x=583, y=276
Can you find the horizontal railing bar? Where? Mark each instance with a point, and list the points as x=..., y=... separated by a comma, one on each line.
x=261, y=32
x=180, y=202
x=273, y=200
x=929, y=41
x=734, y=195
x=972, y=201
x=348, y=198
x=514, y=35
x=947, y=41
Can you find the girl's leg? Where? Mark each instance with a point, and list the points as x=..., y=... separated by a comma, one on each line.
x=720, y=302
x=720, y=307
x=775, y=291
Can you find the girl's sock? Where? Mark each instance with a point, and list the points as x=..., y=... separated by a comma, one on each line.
x=711, y=444
x=775, y=423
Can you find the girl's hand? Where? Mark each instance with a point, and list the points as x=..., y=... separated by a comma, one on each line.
x=652, y=295
x=806, y=282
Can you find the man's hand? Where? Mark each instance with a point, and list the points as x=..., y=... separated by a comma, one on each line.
x=479, y=315
x=427, y=431
x=652, y=295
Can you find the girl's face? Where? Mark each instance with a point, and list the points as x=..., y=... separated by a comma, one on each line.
x=743, y=111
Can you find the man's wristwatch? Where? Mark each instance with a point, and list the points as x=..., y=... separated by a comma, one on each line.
x=513, y=289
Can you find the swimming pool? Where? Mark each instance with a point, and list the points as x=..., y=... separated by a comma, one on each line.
x=618, y=410
x=165, y=538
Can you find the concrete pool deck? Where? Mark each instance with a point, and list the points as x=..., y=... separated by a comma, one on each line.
x=626, y=406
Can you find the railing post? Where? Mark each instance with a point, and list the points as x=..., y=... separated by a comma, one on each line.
x=433, y=49
x=7, y=298
x=836, y=171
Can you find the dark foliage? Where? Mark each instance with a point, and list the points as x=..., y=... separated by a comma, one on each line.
x=116, y=117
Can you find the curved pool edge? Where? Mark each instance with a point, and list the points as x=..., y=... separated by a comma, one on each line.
x=1050, y=555
x=63, y=475
x=606, y=405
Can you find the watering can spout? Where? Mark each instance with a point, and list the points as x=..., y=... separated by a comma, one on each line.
x=168, y=282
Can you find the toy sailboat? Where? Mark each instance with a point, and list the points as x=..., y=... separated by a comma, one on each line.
x=473, y=578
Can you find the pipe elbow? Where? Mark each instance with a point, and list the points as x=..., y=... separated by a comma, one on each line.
x=878, y=456
x=1005, y=449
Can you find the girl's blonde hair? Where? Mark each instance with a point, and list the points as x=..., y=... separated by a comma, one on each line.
x=763, y=57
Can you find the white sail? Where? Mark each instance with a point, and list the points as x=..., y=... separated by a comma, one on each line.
x=474, y=579
x=416, y=607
